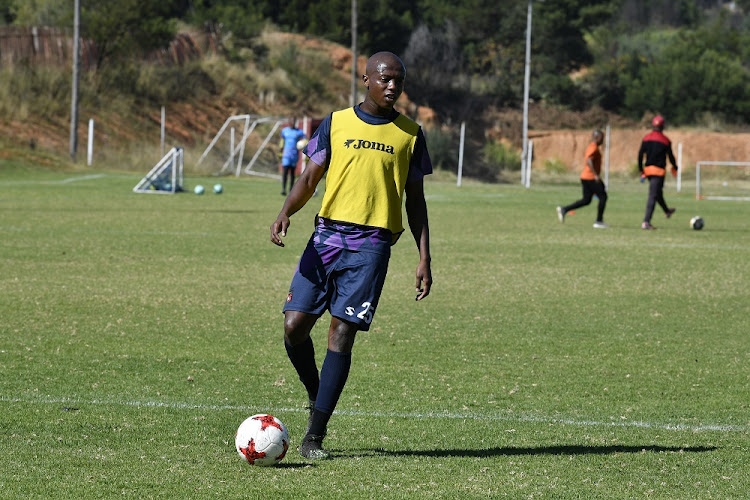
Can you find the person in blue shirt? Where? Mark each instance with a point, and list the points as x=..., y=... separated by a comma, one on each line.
x=290, y=137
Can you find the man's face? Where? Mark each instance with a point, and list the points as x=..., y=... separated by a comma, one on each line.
x=386, y=83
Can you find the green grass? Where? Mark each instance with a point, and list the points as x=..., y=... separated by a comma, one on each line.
x=554, y=361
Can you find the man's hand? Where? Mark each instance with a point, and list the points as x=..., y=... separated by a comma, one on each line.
x=674, y=172
x=424, y=279
x=278, y=229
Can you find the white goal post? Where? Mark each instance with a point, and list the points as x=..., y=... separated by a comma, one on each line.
x=248, y=124
x=699, y=184
x=166, y=176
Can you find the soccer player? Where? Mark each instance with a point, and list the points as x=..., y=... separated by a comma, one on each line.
x=375, y=159
x=591, y=182
x=290, y=135
x=656, y=147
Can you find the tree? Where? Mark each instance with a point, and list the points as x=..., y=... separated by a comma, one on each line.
x=432, y=60
x=127, y=28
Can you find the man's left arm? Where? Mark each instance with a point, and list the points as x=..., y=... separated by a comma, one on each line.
x=670, y=154
x=416, y=213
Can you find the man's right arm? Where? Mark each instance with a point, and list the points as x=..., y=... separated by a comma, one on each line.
x=300, y=194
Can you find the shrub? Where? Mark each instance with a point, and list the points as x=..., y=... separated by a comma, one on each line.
x=501, y=155
x=555, y=166
x=443, y=148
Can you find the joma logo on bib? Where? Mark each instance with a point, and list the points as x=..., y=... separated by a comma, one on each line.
x=362, y=144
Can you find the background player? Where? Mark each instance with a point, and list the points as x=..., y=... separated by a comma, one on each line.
x=591, y=182
x=290, y=135
x=656, y=147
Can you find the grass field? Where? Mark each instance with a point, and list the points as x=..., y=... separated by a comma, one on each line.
x=551, y=361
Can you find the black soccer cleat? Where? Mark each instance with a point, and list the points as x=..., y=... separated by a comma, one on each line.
x=312, y=448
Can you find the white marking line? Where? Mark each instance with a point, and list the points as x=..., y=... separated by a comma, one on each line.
x=81, y=178
x=61, y=181
x=415, y=415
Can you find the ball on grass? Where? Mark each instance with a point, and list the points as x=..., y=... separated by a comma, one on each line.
x=696, y=223
x=199, y=189
x=218, y=188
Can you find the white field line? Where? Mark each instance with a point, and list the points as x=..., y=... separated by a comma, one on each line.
x=67, y=180
x=410, y=415
x=61, y=181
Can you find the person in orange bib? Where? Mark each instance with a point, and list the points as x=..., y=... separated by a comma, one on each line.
x=591, y=182
x=656, y=148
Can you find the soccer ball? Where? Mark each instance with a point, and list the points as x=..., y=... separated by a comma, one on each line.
x=218, y=189
x=301, y=144
x=696, y=223
x=262, y=440
x=199, y=189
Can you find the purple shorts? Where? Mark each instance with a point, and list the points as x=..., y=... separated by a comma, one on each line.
x=347, y=283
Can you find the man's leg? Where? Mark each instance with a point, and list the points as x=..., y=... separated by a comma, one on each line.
x=660, y=198
x=300, y=349
x=333, y=376
x=588, y=193
x=655, y=183
x=601, y=193
x=284, y=173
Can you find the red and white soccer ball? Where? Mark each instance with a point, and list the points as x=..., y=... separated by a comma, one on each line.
x=262, y=440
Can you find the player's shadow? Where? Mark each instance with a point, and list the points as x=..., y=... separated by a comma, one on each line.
x=535, y=450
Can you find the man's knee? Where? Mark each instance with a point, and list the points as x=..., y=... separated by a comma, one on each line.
x=341, y=335
x=297, y=326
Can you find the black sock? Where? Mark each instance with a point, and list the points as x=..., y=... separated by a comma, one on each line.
x=319, y=423
x=302, y=357
x=333, y=377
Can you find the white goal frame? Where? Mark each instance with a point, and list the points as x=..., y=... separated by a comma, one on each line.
x=237, y=151
x=174, y=160
x=698, y=166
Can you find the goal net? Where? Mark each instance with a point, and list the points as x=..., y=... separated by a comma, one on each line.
x=227, y=151
x=722, y=180
x=166, y=176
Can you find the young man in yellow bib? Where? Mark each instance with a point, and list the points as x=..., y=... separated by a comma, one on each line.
x=375, y=159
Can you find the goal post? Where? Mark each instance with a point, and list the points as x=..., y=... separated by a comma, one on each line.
x=234, y=152
x=722, y=180
x=166, y=176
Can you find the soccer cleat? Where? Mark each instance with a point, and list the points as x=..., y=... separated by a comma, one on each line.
x=670, y=212
x=560, y=214
x=312, y=448
x=600, y=225
x=647, y=225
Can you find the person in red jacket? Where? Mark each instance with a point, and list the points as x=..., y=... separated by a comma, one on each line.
x=591, y=182
x=656, y=148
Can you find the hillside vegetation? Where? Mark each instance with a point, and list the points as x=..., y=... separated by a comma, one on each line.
x=594, y=63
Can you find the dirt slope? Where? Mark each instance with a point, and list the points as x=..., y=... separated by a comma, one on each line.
x=569, y=146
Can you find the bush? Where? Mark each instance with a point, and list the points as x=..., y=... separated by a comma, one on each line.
x=555, y=166
x=443, y=148
x=502, y=156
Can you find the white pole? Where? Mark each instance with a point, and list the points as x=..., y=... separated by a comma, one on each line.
x=76, y=78
x=606, y=159
x=679, y=169
x=698, y=181
x=163, y=119
x=90, y=152
x=231, y=146
x=528, y=164
x=461, y=154
x=306, y=126
x=355, y=80
x=526, y=78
